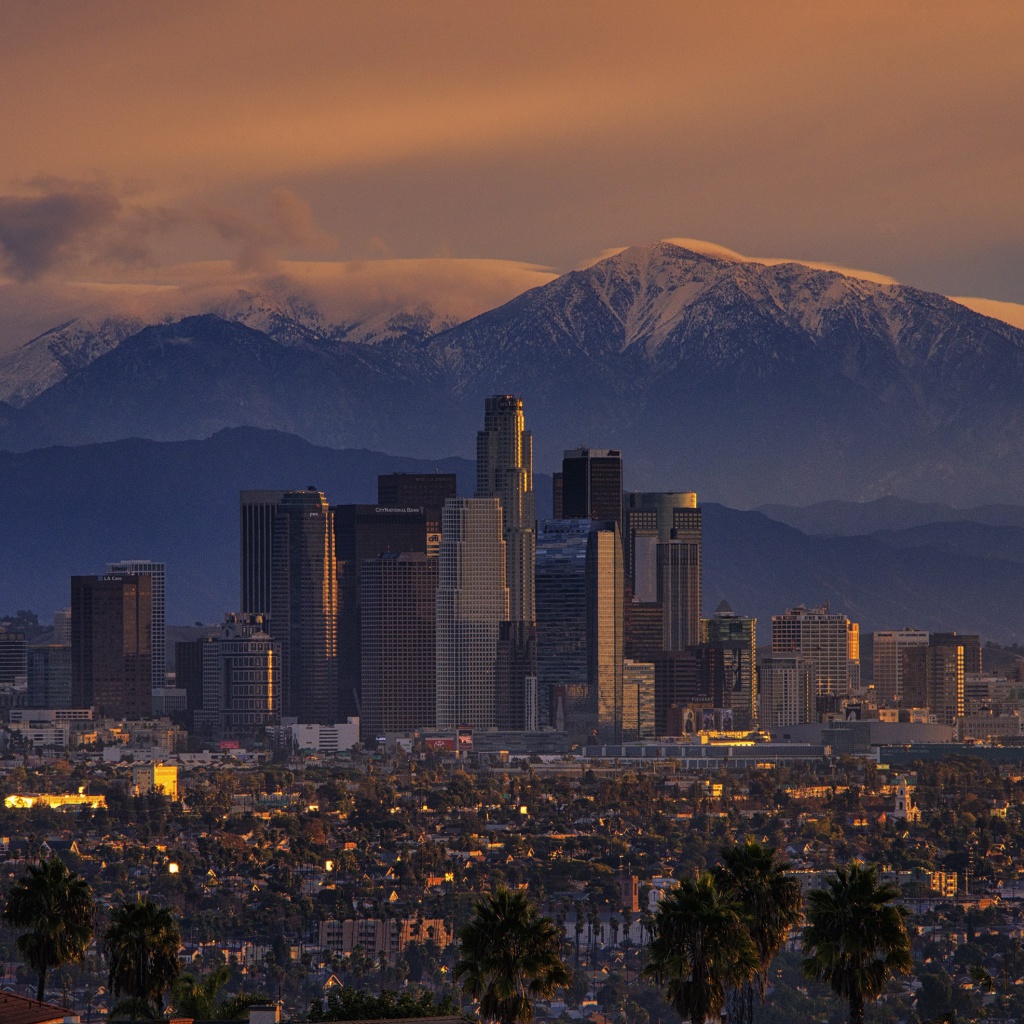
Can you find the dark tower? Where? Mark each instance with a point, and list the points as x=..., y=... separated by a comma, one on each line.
x=592, y=485
x=304, y=606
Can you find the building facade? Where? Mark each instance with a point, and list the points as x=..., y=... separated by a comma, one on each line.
x=504, y=470
x=472, y=602
x=826, y=640
x=398, y=639
x=605, y=637
x=592, y=485
x=111, y=652
x=887, y=661
x=304, y=607
x=256, y=549
x=786, y=685
x=49, y=676
x=157, y=571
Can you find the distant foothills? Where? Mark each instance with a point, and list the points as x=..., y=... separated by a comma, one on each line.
x=747, y=381
x=71, y=510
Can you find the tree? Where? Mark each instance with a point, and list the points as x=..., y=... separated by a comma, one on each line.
x=771, y=902
x=56, y=907
x=510, y=955
x=700, y=947
x=856, y=939
x=141, y=946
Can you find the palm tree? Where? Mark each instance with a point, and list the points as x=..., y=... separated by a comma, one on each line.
x=141, y=946
x=856, y=936
x=511, y=955
x=700, y=947
x=772, y=905
x=56, y=907
x=196, y=997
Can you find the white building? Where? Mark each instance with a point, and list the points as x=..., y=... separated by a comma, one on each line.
x=829, y=642
x=472, y=602
x=324, y=739
x=158, y=572
x=889, y=645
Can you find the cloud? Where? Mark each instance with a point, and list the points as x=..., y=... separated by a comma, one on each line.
x=38, y=232
x=287, y=224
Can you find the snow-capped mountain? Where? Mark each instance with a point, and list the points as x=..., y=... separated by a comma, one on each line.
x=44, y=361
x=750, y=380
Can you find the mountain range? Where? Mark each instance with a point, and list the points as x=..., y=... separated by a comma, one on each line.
x=71, y=510
x=747, y=381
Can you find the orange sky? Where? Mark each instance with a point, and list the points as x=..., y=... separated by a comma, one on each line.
x=881, y=135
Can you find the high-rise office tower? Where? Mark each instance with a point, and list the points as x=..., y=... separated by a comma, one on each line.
x=304, y=607
x=256, y=549
x=516, y=687
x=398, y=637
x=188, y=676
x=679, y=582
x=933, y=675
x=738, y=634
x=504, y=470
x=362, y=532
x=428, y=491
x=556, y=496
x=111, y=650
x=650, y=517
x=824, y=639
x=472, y=602
x=241, y=696
x=49, y=676
x=158, y=572
x=62, y=627
x=592, y=485
x=637, y=700
x=13, y=658
x=605, y=645
x=561, y=587
x=785, y=685
x=887, y=659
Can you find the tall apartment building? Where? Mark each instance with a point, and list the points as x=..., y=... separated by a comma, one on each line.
x=364, y=532
x=256, y=549
x=398, y=640
x=561, y=587
x=304, y=607
x=111, y=650
x=49, y=676
x=472, y=602
x=887, y=660
x=592, y=485
x=737, y=633
x=240, y=674
x=785, y=683
x=504, y=470
x=605, y=640
x=826, y=640
x=158, y=572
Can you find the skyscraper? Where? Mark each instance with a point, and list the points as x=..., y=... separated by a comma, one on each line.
x=13, y=657
x=887, y=660
x=824, y=639
x=158, y=572
x=650, y=517
x=605, y=650
x=241, y=696
x=738, y=634
x=504, y=470
x=304, y=606
x=398, y=636
x=933, y=675
x=592, y=484
x=561, y=618
x=785, y=684
x=363, y=532
x=256, y=535
x=679, y=582
x=49, y=676
x=428, y=491
x=111, y=651
x=472, y=602
x=637, y=700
